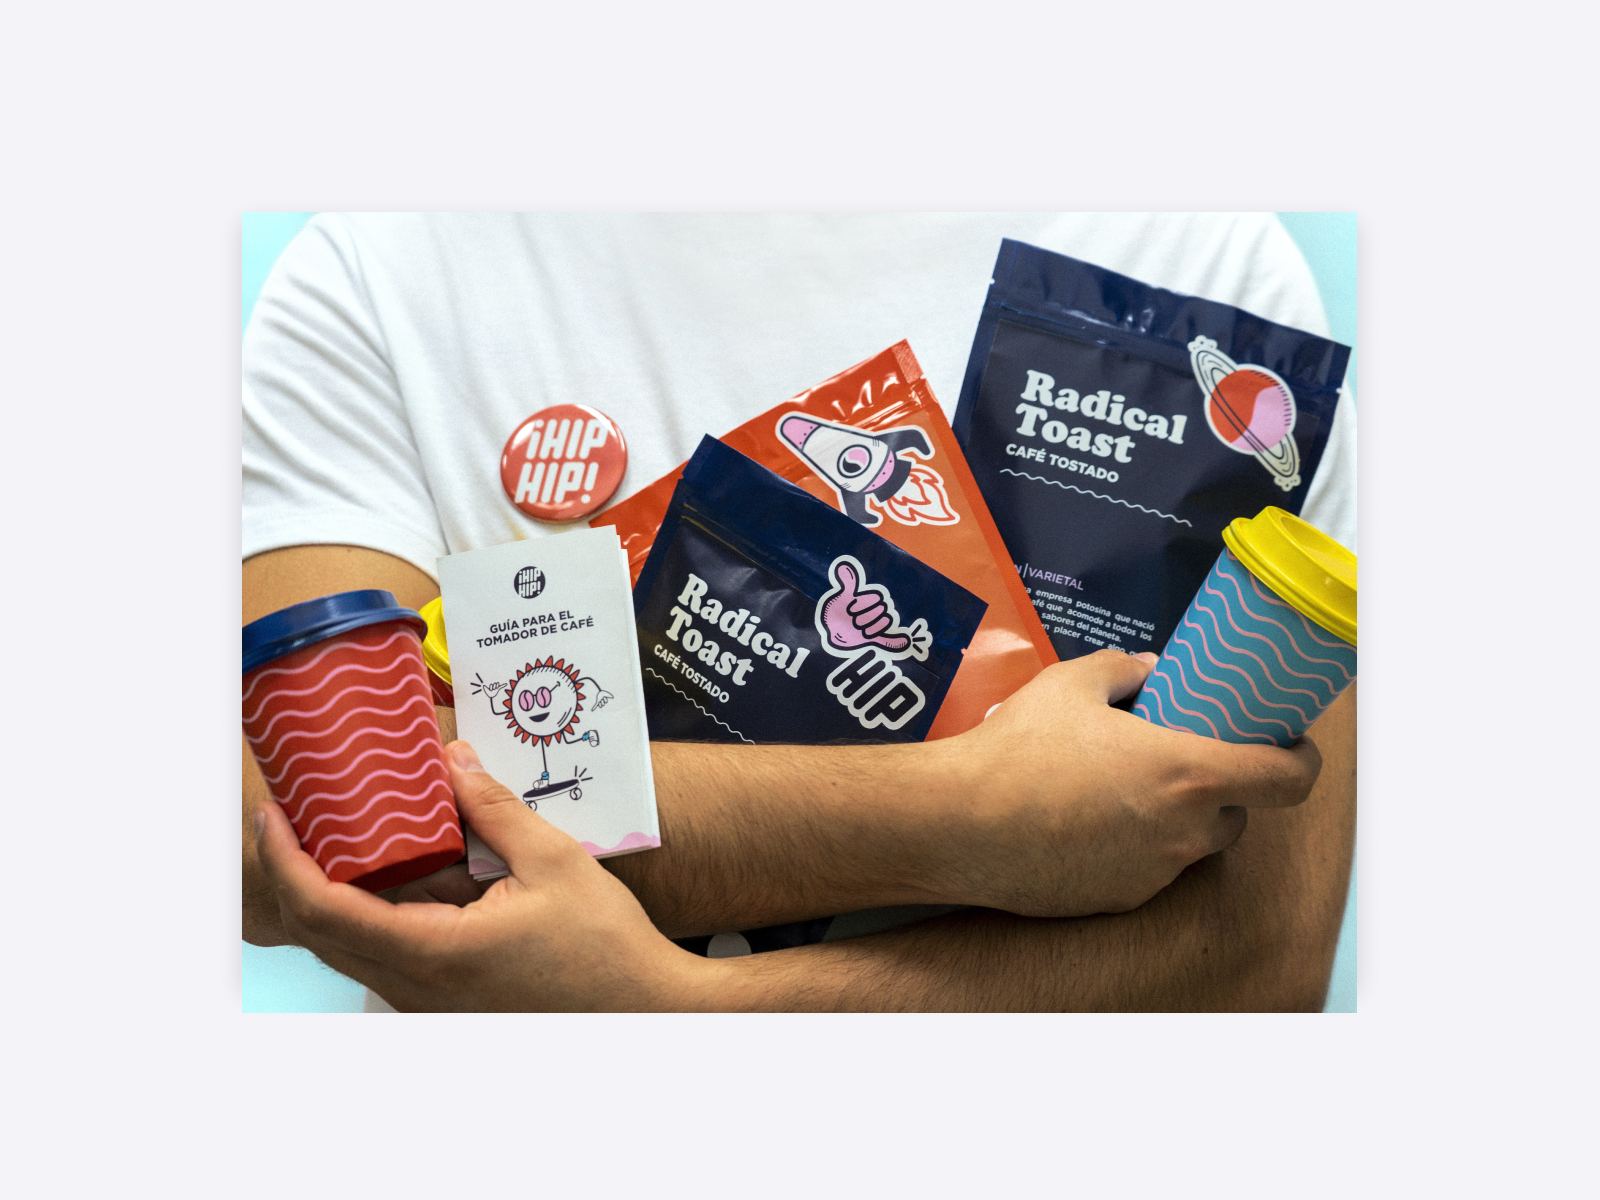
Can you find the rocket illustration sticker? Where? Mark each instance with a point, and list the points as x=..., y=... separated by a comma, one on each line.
x=875, y=467
x=1250, y=409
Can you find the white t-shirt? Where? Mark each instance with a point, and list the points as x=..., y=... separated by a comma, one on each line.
x=390, y=356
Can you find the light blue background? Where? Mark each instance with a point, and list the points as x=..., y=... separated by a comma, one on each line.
x=286, y=979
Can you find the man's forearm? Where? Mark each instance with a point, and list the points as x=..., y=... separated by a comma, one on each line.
x=751, y=835
x=1253, y=928
x=759, y=835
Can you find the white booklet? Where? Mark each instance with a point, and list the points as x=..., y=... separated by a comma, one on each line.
x=545, y=667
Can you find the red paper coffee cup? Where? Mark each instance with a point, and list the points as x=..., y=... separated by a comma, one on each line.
x=338, y=711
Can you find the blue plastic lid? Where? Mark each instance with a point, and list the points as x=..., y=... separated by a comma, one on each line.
x=300, y=625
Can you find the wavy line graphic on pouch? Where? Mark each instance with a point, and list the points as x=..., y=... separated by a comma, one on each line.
x=1154, y=512
x=541, y=705
x=1250, y=410
x=697, y=704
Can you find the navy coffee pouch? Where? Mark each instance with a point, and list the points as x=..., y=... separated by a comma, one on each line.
x=1116, y=428
x=765, y=615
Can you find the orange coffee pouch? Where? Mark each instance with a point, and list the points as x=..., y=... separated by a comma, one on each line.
x=874, y=443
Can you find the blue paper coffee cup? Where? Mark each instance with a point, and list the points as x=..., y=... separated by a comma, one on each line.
x=1268, y=641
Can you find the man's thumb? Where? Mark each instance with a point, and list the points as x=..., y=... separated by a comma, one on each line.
x=1115, y=675
x=525, y=841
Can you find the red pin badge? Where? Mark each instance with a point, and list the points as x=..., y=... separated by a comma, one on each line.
x=563, y=462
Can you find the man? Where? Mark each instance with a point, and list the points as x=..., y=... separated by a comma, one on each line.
x=386, y=363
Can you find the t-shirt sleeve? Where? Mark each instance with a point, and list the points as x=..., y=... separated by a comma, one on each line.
x=1331, y=499
x=329, y=453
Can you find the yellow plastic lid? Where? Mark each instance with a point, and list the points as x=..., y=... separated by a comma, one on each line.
x=435, y=650
x=1313, y=573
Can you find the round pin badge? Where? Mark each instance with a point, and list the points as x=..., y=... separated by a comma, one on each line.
x=563, y=462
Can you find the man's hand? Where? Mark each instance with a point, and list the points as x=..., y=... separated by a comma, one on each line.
x=1058, y=805
x=1074, y=807
x=757, y=835
x=559, y=933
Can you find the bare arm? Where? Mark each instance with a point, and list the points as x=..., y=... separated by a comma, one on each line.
x=560, y=933
x=1253, y=928
x=779, y=833
x=1057, y=805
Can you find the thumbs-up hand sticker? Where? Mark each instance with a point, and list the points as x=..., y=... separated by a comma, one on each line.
x=856, y=614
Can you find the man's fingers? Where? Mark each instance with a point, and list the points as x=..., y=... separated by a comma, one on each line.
x=323, y=915
x=1228, y=827
x=1111, y=675
x=449, y=885
x=524, y=840
x=1257, y=776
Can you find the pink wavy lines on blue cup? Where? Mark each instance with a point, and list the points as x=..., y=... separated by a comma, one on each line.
x=1243, y=666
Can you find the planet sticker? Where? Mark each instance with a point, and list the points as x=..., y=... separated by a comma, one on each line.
x=1250, y=410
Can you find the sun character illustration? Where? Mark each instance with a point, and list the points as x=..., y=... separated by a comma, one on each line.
x=543, y=702
x=541, y=706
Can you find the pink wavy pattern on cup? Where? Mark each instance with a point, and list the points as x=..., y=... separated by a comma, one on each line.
x=1237, y=628
x=1161, y=712
x=299, y=703
x=440, y=836
x=1308, y=627
x=1202, y=665
x=1266, y=671
x=1221, y=664
x=339, y=699
x=333, y=647
x=322, y=710
x=1210, y=724
x=1299, y=619
x=314, y=756
x=414, y=751
x=360, y=787
x=1184, y=679
x=365, y=836
x=1243, y=707
x=388, y=671
x=339, y=818
x=412, y=701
